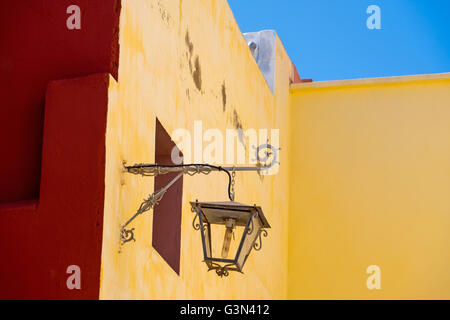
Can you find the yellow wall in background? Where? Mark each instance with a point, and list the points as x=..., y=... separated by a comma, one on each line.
x=364, y=176
x=370, y=185
x=158, y=40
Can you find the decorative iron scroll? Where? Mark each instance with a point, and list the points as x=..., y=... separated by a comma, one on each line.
x=263, y=152
x=127, y=235
x=257, y=246
x=196, y=226
x=221, y=271
x=147, y=170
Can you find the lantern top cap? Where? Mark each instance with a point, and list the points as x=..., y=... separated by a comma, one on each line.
x=232, y=206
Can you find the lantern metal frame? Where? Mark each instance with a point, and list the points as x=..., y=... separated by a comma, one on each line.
x=220, y=265
x=146, y=170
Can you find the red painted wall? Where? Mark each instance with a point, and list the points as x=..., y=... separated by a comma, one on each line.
x=39, y=240
x=51, y=211
x=35, y=48
x=296, y=76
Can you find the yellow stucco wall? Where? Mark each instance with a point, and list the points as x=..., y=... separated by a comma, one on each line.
x=370, y=185
x=155, y=81
x=364, y=176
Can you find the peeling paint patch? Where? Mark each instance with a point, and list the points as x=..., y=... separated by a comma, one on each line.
x=196, y=69
x=190, y=47
x=165, y=16
x=189, y=44
x=261, y=176
x=224, y=96
x=236, y=120
x=238, y=126
x=197, y=74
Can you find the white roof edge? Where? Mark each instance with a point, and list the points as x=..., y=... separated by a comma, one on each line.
x=364, y=81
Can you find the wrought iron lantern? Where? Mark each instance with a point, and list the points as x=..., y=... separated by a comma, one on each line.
x=243, y=223
x=248, y=222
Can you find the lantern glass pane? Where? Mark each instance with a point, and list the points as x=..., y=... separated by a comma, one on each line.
x=207, y=239
x=218, y=238
x=249, y=240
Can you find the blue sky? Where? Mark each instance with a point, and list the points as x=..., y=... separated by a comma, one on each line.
x=329, y=39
